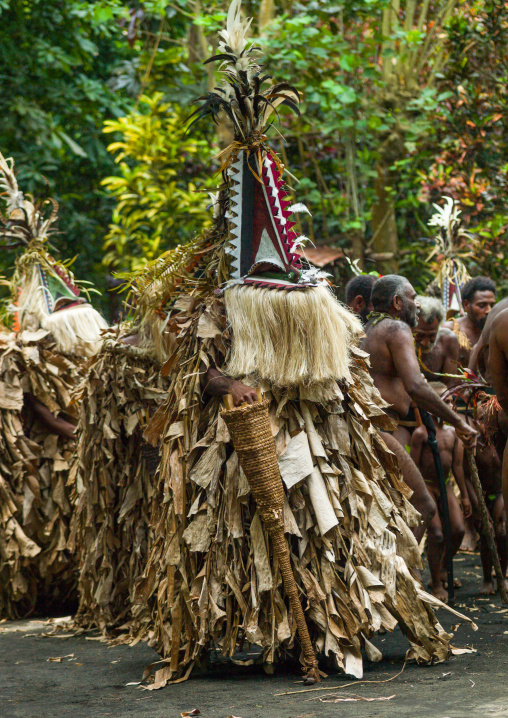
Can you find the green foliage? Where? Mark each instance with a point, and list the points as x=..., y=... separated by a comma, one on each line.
x=468, y=160
x=375, y=93
x=158, y=204
x=354, y=112
x=56, y=59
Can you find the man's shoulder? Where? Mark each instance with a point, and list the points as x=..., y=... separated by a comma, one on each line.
x=419, y=435
x=502, y=318
x=447, y=336
x=386, y=324
x=499, y=327
x=454, y=323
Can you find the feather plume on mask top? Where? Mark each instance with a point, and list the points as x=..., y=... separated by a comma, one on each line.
x=454, y=245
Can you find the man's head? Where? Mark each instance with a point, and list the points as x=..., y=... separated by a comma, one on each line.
x=478, y=298
x=394, y=295
x=430, y=318
x=358, y=291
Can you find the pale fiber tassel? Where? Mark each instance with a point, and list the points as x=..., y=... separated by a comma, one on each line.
x=31, y=305
x=290, y=338
x=155, y=339
x=76, y=330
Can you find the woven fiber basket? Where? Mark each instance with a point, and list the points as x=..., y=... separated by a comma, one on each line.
x=249, y=427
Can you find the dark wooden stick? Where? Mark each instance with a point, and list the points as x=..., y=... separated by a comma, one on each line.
x=425, y=418
x=487, y=527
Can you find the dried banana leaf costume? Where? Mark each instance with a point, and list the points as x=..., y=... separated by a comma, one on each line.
x=40, y=364
x=114, y=468
x=244, y=304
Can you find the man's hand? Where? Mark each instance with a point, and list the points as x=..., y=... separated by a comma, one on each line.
x=242, y=393
x=466, y=434
x=215, y=383
x=467, y=509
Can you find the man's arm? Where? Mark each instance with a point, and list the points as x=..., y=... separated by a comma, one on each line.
x=498, y=358
x=458, y=473
x=215, y=383
x=418, y=438
x=451, y=360
x=475, y=354
x=401, y=344
x=53, y=423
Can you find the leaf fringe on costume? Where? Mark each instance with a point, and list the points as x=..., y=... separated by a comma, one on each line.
x=111, y=476
x=36, y=570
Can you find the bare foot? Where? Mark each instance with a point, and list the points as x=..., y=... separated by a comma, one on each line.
x=456, y=582
x=440, y=592
x=469, y=542
x=487, y=589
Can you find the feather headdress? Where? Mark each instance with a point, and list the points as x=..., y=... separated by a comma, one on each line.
x=241, y=94
x=44, y=293
x=258, y=240
x=454, y=245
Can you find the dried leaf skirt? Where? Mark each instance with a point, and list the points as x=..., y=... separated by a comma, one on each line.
x=112, y=477
x=212, y=580
x=35, y=566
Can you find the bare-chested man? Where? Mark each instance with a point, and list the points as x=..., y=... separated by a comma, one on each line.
x=440, y=355
x=493, y=430
x=358, y=291
x=498, y=372
x=478, y=298
x=479, y=360
x=437, y=347
x=397, y=375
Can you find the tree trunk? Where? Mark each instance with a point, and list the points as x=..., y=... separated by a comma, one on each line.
x=384, y=239
x=266, y=13
x=355, y=241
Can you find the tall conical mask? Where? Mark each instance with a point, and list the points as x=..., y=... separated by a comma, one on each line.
x=288, y=329
x=44, y=292
x=261, y=240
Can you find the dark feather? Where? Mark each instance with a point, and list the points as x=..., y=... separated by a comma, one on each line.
x=215, y=58
x=292, y=105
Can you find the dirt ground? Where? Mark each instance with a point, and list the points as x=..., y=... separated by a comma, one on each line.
x=90, y=679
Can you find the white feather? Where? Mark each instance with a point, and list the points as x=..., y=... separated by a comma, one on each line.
x=299, y=207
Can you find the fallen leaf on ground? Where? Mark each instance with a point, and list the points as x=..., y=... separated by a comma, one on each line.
x=193, y=712
x=346, y=699
x=55, y=659
x=460, y=651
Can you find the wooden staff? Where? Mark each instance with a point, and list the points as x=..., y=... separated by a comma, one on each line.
x=428, y=422
x=487, y=527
